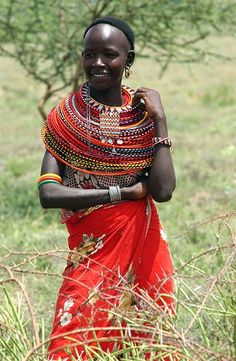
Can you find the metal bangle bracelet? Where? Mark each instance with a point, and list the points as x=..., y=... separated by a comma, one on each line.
x=119, y=192
x=115, y=193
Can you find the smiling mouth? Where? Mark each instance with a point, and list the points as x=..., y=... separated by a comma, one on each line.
x=100, y=75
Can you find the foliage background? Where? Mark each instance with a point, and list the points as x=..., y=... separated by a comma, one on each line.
x=45, y=36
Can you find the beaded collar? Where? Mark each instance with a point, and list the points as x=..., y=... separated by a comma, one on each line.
x=99, y=139
x=127, y=95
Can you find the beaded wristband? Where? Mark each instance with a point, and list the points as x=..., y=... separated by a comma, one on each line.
x=163, y=141
x=115, y=193
x=53, y=181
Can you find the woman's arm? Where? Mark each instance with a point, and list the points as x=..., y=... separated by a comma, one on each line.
x=59, y=196
x=161, y=180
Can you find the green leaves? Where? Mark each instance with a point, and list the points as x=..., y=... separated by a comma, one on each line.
x=45, y=36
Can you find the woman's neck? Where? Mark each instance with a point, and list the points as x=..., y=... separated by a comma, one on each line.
x=111, y=97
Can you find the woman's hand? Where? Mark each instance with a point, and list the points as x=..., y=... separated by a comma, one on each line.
x=137, y=191
x=152, y=102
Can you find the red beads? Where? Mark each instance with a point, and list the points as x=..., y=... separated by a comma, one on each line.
x=105, y=140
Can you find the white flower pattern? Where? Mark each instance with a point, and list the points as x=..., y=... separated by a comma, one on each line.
x=68, y=304
x=65, y=319
x=163, y=234
x=60, y=312
x=99, y=245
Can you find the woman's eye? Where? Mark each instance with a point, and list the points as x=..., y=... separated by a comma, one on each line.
x=88, y=55
x=110, y=55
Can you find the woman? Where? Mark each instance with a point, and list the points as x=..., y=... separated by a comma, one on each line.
x=107, y=156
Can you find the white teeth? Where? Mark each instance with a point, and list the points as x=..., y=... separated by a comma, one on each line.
x=100, y=75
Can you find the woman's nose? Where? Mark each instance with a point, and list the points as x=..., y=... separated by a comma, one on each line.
x=98, y=61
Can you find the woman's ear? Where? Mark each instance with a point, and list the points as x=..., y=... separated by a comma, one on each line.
x=130, y=58
x=129, y=62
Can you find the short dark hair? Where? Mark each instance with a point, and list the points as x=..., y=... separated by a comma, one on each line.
x=117, y=23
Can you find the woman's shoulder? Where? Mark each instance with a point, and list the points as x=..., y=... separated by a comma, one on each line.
x=65, y=99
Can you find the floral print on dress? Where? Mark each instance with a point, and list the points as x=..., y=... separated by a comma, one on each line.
x=65, y=316
x=126, y=298
x=163, y=234
x=104, y=290
x=88, y=246
x=93, y=296
x=60, y=312
x=65, y=319
x=68, y=304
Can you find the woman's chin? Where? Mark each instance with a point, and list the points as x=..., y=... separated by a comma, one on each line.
x=100, y=82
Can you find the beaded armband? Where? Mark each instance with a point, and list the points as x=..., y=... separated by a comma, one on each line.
x=163, y=141
x=49, y=178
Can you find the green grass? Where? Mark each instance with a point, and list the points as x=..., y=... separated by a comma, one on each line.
x=200, y=103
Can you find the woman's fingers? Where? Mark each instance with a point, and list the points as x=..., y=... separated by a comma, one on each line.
x=152, y=100
x=141, y=189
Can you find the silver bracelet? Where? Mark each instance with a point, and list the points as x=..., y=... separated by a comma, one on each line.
x=115, y=193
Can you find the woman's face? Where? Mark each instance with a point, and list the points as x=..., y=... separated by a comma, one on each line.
x=104, y=57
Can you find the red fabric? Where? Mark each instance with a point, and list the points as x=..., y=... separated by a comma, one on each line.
x=127, y=250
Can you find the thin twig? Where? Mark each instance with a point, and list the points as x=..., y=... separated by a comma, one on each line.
x=216, y=279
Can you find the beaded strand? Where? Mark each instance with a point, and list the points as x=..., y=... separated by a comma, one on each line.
x=99, y=139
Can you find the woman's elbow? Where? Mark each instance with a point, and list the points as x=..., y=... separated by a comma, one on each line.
x=45, y=198
x=162, y=197
x=164, y=194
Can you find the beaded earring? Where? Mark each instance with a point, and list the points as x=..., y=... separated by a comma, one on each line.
x=127, y=73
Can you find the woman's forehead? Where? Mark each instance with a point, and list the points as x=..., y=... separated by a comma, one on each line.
x=105, y=34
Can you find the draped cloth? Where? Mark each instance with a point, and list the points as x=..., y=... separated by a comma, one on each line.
x=118, y=253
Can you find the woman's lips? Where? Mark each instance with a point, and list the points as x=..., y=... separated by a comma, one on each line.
x=100, y=75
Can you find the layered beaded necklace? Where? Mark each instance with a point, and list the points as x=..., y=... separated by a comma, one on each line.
x=100, y=139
